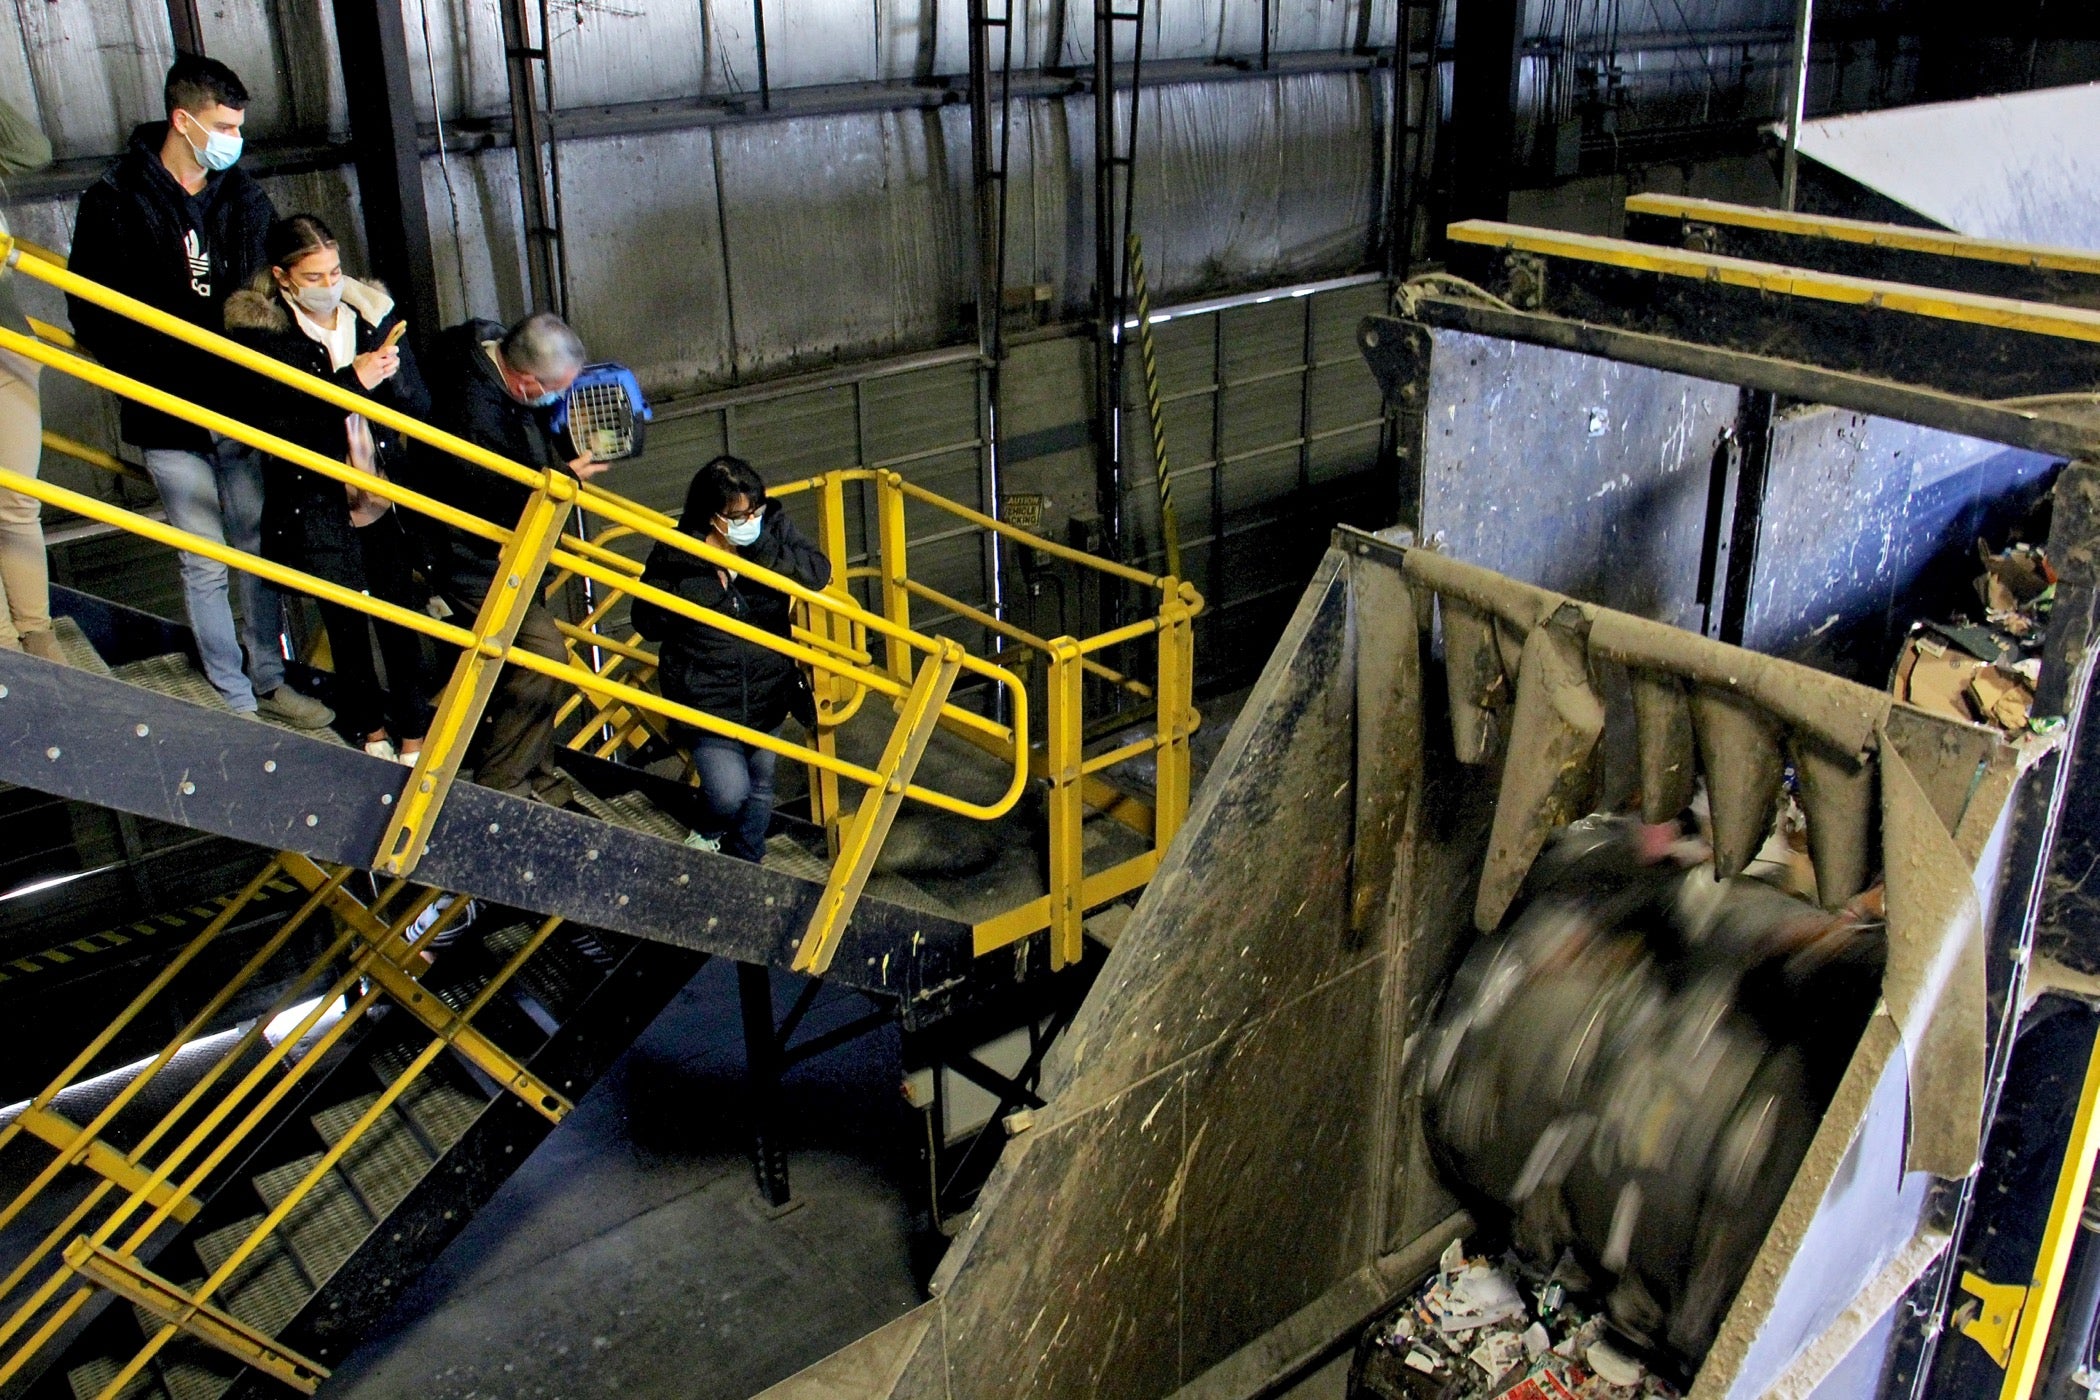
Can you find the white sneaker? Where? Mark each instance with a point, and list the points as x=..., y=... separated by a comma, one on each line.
x=711, y=844
x=408, y=760
x=381, y=748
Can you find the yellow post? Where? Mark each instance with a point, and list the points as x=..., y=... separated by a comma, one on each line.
x=518, y=571
x=835, y=692
x=2073, y=1179
x=1062, y=726
x=896, y=597
x=878, y=809
x=1175, y=695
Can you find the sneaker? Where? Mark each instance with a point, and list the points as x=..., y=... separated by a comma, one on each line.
x=382, y=748
x=694, y=841
x=287, y=706
x=408, y=760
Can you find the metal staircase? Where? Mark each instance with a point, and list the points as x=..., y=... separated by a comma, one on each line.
x=313, y=1084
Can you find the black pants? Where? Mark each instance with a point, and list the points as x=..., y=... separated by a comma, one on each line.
x=512, y=746
x=517, y=728
x=402, y=705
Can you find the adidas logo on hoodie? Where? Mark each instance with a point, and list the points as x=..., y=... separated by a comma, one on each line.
x=200, y=263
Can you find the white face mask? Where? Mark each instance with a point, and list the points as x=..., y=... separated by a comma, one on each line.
x=219, y=151
x=319, y=300
x=743, y=532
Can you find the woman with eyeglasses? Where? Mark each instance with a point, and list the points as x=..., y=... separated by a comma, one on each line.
x=303, y=310
x=709, y=669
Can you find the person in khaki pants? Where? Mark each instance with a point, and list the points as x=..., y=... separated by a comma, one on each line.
x=25, y=621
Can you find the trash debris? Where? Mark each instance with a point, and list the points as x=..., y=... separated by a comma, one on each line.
x=1987, y=672
x=1538, y=1346
x=1625, y=1077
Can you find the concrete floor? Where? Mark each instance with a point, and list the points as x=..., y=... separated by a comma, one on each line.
x=628, y=1255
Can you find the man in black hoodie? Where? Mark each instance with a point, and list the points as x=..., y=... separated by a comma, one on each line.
x=176, y=225
x=496, y=388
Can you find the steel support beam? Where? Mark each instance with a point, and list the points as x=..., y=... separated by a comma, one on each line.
x=1861, y=248
x=1489, y=45
x=186, y=26
x=532, y=130
x=1108, y=309
x=1981, y=348
x=762, y=1066
x=387, y=150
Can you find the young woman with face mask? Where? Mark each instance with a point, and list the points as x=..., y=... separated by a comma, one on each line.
x=708, y=669
x=302, y=309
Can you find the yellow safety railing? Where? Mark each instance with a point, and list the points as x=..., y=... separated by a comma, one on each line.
x=835, y=639
x=604, y=724
x=138, y=1162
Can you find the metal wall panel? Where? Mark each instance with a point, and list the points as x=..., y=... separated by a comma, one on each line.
x=647, y=270
x=1598, y=488
x=847, y=235
x=1868, y=523
x=1273, y=426
x=94, y=68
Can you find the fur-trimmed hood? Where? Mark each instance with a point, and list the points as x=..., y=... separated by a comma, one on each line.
x=259, y=307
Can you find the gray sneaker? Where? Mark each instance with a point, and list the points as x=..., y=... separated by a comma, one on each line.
x=694, y=841
x=285, y=705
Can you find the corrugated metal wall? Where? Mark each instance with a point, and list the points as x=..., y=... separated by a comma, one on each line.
x=727, y=253
x=1271, y=420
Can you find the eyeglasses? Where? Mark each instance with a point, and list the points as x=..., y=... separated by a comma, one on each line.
x=740, y=517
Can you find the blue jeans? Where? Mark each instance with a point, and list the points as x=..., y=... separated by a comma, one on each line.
x=736, y=793
x=219, y=496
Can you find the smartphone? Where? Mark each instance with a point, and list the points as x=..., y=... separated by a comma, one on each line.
x=393, y=337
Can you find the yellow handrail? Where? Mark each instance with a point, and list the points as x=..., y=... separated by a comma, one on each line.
x=834, y=637
x=559, y=485
x=285, y=577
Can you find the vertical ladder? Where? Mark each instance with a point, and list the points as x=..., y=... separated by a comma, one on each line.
x=1112, y=227
x=1410, y=123
x=989, y=163
x=530, y=69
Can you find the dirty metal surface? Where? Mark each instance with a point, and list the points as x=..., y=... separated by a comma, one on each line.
x=1868, y=524
x=96, y=739
x=1390, y=349
x=1965, y=357
x=1160, y=1214
x=2018, y=280
x=1577, y=473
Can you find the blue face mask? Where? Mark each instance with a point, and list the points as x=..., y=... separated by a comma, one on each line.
x=220, y=150
x=546, y=400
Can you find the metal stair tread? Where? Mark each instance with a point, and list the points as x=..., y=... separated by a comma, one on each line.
x=559, y=975
x=193, y=1371
x=433, y=1103
x=79, y=652
x=173, y=676
x=387, y=1162
x=325, y=1229
x=87, y=1381
x=790, y=857
x=631, y=810
x=267, y=1290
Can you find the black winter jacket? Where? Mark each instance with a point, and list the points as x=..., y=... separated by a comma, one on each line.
x=467, y=398
x=140, y=233
x=306, y=517
x=707, y=668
